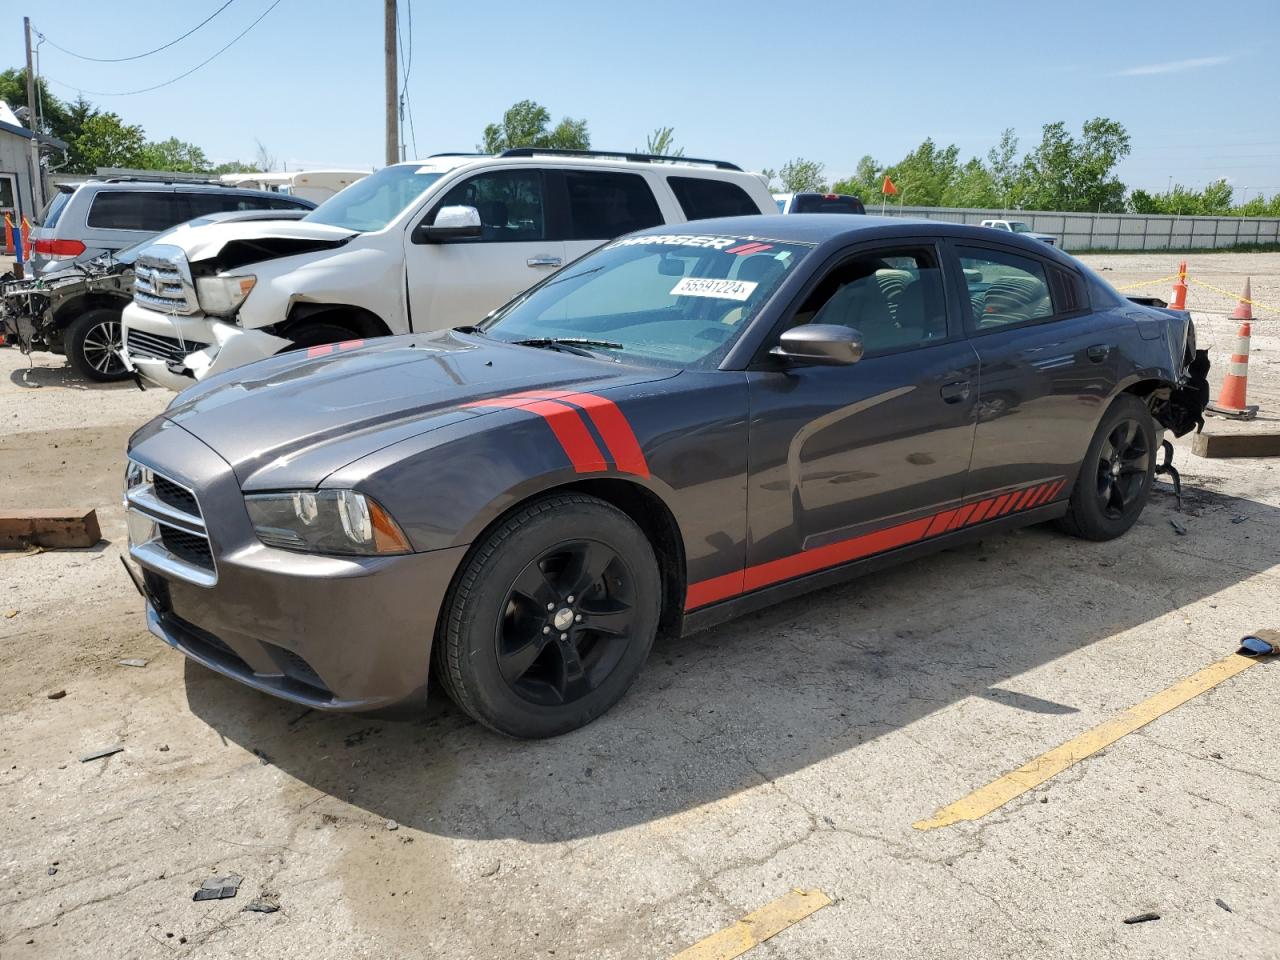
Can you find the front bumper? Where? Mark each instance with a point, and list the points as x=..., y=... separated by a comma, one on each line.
x=176, y=351
x=333, y=633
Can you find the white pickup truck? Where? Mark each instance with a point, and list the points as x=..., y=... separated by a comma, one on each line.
x=1019, y=226
x=416, y=246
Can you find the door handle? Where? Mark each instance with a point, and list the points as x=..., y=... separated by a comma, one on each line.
x=544, y=261
x=1099, y=352
x=955, y=391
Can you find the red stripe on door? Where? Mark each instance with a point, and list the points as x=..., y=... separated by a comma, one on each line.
x=729, y=585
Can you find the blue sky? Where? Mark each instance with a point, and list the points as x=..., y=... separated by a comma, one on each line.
x=748, y=81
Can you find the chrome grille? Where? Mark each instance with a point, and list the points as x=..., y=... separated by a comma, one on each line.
x=166, y=528
x=153, y=346
x=162, y=280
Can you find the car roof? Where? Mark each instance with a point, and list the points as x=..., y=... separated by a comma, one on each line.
x=443, y=162
x=841, y=228
x=182, y=185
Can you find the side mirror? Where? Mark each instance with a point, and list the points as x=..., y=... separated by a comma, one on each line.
x=820, y=343
x=451, y=223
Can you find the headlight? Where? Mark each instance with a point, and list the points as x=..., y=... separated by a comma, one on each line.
x=220, y=295
x=325, y=521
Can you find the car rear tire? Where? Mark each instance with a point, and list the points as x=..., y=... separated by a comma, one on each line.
x=93, y=340
x=551, y=619
x=1115, y=478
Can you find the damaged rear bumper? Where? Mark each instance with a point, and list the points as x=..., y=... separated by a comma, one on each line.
x=177, y=351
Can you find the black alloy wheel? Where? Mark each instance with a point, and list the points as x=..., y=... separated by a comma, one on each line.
x=1123, y=463
x=566, y=622
x=551, y=616
x=1115, y=476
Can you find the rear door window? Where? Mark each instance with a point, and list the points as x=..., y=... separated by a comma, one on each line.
x=607, y=205
x=136, y=210
x=1005, y=289
x=509, y=203
x=703, y=199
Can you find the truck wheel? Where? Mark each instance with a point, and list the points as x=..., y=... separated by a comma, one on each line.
x=315, y=334
x=93, y=339
x=1115, y=478
x=551, y=618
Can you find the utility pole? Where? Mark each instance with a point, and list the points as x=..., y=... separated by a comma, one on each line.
x=392, y=83
x=37, y=176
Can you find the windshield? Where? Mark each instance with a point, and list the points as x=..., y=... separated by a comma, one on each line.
x=374, y=201
x=672, y=300
x=1017, y=226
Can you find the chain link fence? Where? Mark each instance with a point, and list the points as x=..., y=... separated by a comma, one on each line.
x=1079, y=232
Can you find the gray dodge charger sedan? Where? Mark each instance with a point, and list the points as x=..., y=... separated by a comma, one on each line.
x=673, y=430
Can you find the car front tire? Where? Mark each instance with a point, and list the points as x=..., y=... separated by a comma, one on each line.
x=93, y=341
x=1115, y=478
x=551, y=619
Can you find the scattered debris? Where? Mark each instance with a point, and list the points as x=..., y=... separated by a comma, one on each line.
x=164, y=748
x=1044, y=799
x=101, y=752
x=828, y=821
x=490, y=868
x=52, y=871
x=10, y=614
x=1143, y=918
x=267, y=903
x=218, y=888
x=132, y=662
x=1238, y=519
x=392, y=825
x=57, y=695
x=1215, y=756
x=1178, y=528
x=262, y=757
x=1223, y=904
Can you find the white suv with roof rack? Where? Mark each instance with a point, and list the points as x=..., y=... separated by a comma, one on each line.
x=416, y=246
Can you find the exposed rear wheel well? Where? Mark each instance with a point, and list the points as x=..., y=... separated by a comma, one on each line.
x=360, y=322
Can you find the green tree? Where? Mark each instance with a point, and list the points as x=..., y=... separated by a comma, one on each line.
x=924, y=174
x=865, y=182
x=801, y=175
x=973, y=185
x=1002, y=164
x=107, y=141
x=525, y=124
x=175, y=156
x=662, y=142
x=1063, y=173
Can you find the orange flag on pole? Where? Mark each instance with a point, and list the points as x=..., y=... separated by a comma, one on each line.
x=887, y=187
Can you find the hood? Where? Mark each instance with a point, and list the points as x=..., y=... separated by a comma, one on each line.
x=291, y=420
x=246, y=241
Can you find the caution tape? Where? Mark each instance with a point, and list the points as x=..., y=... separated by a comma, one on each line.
x=1236, y=297
x=1149, y=283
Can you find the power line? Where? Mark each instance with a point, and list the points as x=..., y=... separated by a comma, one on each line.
x=130, y=93
x=405, y=102
x=139, y=56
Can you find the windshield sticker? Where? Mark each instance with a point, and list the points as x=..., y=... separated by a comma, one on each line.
x=676, y=240
x=719, y=289
x=749, y=248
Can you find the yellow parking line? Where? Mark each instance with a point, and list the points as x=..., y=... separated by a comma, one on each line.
x=756, y=927
x=999, y=792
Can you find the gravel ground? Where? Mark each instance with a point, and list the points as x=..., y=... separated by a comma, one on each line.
x=792, y=748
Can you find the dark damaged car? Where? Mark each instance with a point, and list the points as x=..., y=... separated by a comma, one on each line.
x=669, y=432
x=75, y=310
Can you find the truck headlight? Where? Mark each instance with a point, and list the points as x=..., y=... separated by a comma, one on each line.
x=221, y=295
x=325, y=521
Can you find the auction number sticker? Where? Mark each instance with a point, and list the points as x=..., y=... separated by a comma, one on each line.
x=719, y=289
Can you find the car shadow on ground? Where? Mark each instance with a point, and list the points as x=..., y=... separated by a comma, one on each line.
x=772, y=693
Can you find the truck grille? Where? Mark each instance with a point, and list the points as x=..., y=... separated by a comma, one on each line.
x=162, y=281
x=167, y=531
x=153, y=346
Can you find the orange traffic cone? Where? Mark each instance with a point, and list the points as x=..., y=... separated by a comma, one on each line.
x=1180, y=288
x=1231, y=399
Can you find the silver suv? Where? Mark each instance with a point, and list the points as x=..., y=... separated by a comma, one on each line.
x=87, y=219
